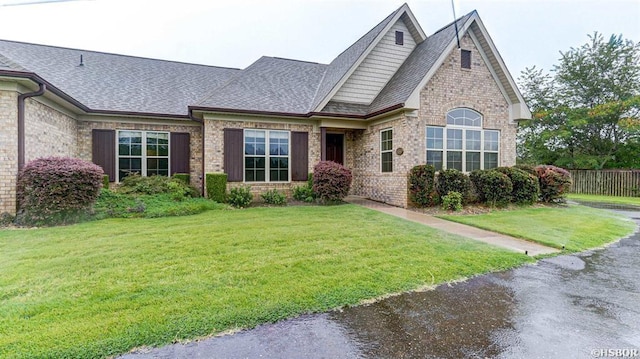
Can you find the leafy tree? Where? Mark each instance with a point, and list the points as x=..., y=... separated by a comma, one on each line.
x=587, y=114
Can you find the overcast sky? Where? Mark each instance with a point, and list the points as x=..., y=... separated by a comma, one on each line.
x=235, y=33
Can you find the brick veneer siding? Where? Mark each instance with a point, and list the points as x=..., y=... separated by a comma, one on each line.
x=368, y=179
x=214, y=150
x=48, y=132
x=475, y=88
x=195, y=131
x=8, y=150
x=450, y=87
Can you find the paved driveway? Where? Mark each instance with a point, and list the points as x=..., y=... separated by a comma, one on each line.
x=575, y=306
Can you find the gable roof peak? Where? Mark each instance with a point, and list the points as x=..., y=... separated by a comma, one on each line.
x=339, y=70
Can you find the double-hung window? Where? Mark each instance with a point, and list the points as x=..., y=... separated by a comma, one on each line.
x=266, y=156
x=143, y=152
x=462, y=144
x=386, y=150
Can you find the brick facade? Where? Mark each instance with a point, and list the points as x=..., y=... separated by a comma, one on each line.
x=48, y=132
x=214, y=149
x=194, y=130
x=8, y=150
x=475, y=88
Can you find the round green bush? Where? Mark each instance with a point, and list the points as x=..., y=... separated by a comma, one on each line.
x=240, y=197
x=57, y=190
x=421, y=185
x=331, y=181
x=526, y=189
x=452, y=180
x=476, y=186
x=496, y=187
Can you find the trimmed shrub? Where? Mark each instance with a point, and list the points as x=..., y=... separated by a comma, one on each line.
x=421, y=185
x=105, y=181
x=476, y=186
x=184, y=177
x=496, y=188
x=135, y=184
x=274, y=197
x=240, y=197
x=57, y=190
x=305, y=192
x=526, y=189
x=527, y=168
x=216, y=184
x=452, y=201
x=331, y=181
x=6, y=219
x=452, y=180
x=554, y=182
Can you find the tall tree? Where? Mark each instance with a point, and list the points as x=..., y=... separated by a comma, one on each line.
x=586, y=114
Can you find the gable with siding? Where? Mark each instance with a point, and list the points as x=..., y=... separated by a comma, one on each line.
x=378, y=67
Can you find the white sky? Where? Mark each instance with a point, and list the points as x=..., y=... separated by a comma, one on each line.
x=235, y=33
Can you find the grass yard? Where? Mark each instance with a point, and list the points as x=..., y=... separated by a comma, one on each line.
x=101, y=288
x=576, y=227
x=633, y=201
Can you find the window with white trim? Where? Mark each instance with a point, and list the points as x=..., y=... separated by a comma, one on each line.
x=266, y=156
x=143, y=152
x=386, y=150
x=462, y=144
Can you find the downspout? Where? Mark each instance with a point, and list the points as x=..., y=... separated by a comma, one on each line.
x=201, y=122
x=21, y=112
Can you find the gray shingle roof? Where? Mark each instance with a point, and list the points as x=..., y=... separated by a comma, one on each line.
x=270, y=84
x=111, y=82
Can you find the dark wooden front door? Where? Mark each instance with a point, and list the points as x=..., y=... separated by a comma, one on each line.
x=335, y=147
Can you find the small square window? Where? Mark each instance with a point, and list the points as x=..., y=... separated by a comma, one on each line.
x=465, y=59
x=399, y=38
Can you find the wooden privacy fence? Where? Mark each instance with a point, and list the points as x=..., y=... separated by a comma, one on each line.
x=606, y=182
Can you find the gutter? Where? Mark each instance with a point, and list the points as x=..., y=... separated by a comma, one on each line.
x=21, y=120
x=298, y=115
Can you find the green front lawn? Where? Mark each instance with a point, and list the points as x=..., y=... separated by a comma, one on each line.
x=101, y=288
x=633, y=201
x=576, y=227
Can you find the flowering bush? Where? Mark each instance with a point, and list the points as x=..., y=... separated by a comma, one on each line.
x=331, y=181
x=57, y=190
x=554, y=183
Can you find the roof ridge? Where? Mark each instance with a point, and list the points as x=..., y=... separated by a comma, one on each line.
x=116, y=54
x=454, y=21
x=296, y=60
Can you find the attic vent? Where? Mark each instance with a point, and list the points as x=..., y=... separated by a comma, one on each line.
x=399, y=38
x=465, y=59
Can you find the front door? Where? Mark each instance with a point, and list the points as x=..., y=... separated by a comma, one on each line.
x=335, y=147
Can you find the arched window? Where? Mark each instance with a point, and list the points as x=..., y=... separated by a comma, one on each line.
x=462, y=144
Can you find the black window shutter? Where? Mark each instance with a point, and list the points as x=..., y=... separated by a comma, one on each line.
x=399, y=38
x=299, y=156
x=180, y=152
x=233, y=154
x=465, y=59
x=103, y=151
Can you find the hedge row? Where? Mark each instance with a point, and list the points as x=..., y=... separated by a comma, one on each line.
x=495, y=187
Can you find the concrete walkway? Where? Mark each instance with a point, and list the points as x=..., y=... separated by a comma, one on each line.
x=496, y=239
